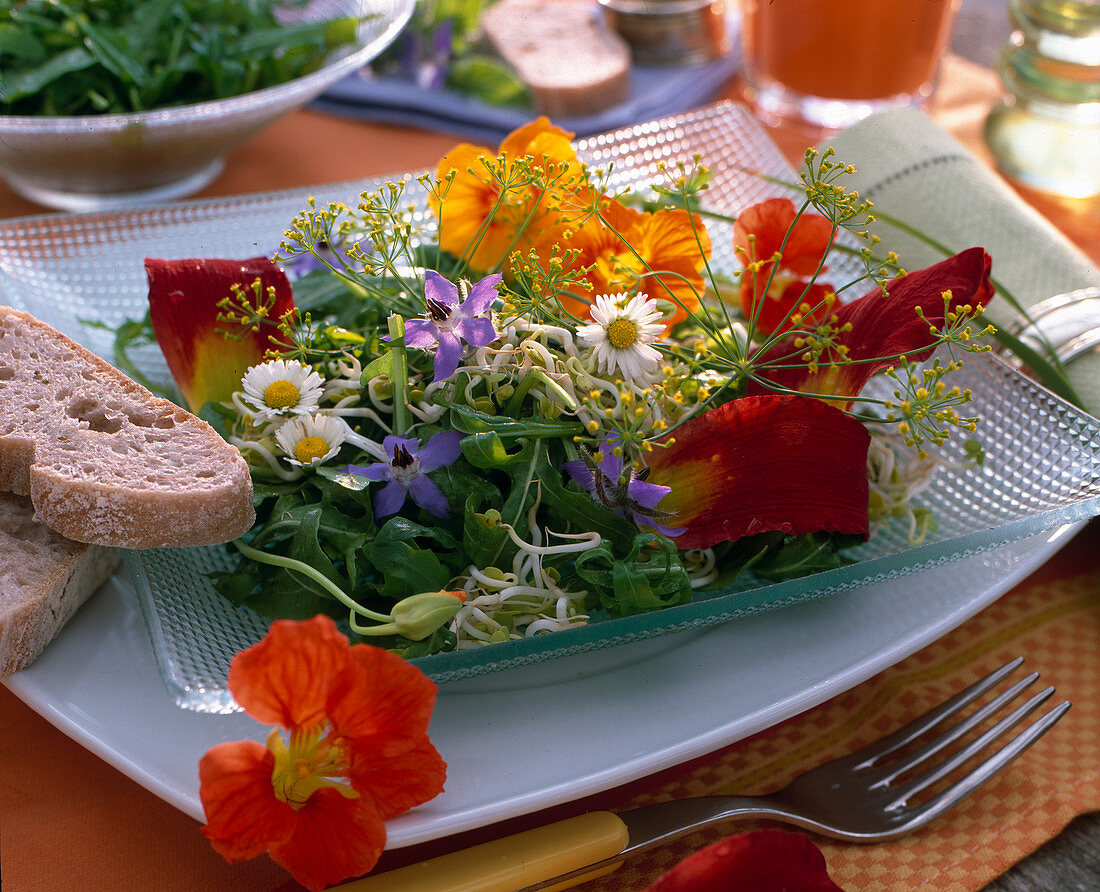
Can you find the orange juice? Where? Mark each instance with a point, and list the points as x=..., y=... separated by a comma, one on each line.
x=861, y=50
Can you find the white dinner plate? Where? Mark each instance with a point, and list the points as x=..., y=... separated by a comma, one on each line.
x=565, y=729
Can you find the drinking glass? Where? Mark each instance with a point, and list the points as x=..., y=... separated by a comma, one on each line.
x=832, y=63
x=1045, y=132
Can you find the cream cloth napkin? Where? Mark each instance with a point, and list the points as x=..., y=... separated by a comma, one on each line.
x=913, y=170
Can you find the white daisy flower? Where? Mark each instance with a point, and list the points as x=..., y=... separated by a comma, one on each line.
x=312, y=439
x=621, y=333
x=281, y=387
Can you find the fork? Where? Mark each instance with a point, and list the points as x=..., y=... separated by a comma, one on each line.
x=868, y=796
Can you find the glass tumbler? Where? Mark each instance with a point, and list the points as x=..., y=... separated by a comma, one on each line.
x=1045, y=132
x=830, y=63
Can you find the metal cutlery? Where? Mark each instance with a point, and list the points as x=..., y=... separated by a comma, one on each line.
x=882, y=791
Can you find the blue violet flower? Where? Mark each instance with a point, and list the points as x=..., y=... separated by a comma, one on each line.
x=450, y=323
x=630, y=496
x=406, y=472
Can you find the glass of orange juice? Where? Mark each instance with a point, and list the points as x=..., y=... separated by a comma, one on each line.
x=832, y=62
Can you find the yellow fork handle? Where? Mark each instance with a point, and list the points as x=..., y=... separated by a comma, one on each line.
x=508, y=864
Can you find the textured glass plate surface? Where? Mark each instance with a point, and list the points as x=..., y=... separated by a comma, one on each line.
x=1043, y=457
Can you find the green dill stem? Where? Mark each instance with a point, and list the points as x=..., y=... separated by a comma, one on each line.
x=1049, y=369
x=277, y=560
x=400, y=372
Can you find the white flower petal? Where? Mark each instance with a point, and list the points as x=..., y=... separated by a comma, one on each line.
x=636, y=362
x=328, y=428
x=300, y=394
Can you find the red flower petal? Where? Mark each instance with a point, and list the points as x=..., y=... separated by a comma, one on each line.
x=183, y=308
x=286, y=679
x=334, y=838
x=400, y=782
x=381, y=705
x=768, y=223
x=762, y=463
x=760, y=861
x=773, y=227
x=883, y=325
x=775, y=312
x=244, y=819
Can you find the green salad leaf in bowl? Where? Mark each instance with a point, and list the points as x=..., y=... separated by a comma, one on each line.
x=106, y=103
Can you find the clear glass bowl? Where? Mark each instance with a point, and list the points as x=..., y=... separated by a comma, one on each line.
x=1042, y=467
x=98, y=162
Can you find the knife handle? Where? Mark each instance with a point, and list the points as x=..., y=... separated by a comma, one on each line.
x=510, y=863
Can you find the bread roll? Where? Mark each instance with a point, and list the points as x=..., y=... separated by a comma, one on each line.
x=103, y=460
x=44, y=578
x=572, y=64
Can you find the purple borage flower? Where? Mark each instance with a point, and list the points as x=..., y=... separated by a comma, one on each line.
x=632, y=498
x=449, y=322
x=406, y=473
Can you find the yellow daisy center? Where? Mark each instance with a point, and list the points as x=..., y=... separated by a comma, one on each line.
x=281, y=394
x=309, y=448
x=622, y=333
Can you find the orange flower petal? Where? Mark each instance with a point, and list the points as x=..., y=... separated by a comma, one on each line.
x=286, y=678
x=183, y=308
x=334, y=838
x=537, y=138
x=763, y=463
x=883, y=326
x=759, y=861
x=660, y=254
x=400, y=782
x=243, y=817
x=381, y=704
x=473, y=196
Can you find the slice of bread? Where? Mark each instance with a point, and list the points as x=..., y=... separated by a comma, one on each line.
x=44, y=578
x=570, y=61
x=103, y=460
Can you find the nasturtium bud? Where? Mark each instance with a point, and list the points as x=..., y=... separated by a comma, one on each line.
x=418, y=616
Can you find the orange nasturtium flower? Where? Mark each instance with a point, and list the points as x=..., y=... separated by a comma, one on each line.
x=350, y=750
x=780, y=252
x=870, y=333
x=185, y=298
x=490, y=210
x=660, y=253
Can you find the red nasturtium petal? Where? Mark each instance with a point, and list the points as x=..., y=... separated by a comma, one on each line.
x=335, y=838
x=882, y=325
x=775, y=313
x=764, y=230
x=286, y=679
x=183, y=308
x=243, y=817
x=774, y=462
x=759, y=861
x=399, y=783
x=768, y=222
x=381, y=703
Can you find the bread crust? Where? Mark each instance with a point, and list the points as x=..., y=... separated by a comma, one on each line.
x=103, y=460
x=44, y=578
x=570, y=62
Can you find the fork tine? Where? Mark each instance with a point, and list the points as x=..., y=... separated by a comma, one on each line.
x=967, y=752
x=867, y=756
x=915, y=758
x=940, y=803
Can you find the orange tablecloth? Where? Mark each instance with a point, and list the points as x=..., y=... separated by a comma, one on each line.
x=68, y=820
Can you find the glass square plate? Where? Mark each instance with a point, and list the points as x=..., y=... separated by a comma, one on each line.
x=1043, y=456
